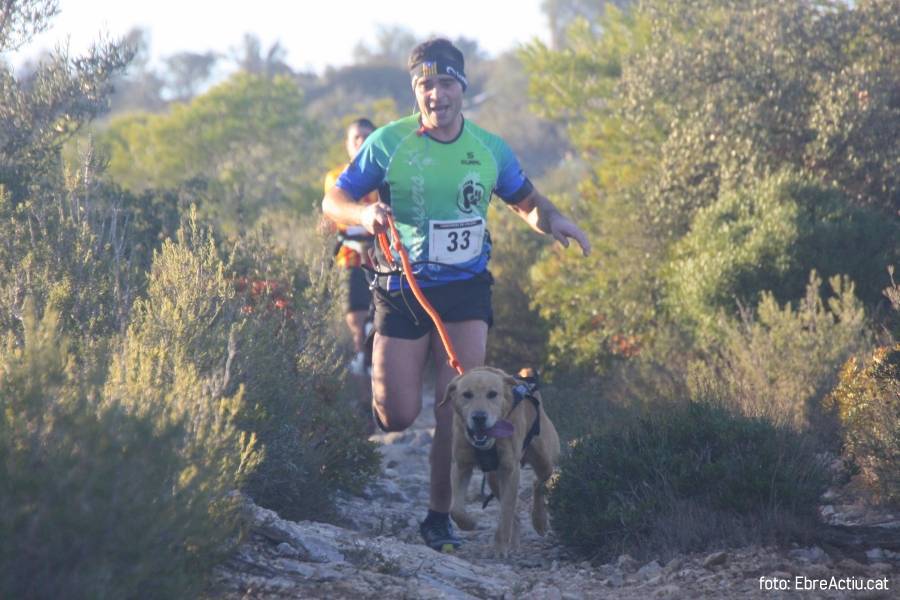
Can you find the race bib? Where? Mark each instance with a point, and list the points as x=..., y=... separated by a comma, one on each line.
x=454, y=242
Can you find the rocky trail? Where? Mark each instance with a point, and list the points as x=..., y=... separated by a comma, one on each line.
x=376, y=552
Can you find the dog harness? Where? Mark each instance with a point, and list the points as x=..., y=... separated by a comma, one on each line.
x=488, y=459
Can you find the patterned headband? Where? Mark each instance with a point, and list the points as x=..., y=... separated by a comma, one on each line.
x=439, y=67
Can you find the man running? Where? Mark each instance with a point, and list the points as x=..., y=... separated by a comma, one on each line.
x=436, y=172
x=351, y=253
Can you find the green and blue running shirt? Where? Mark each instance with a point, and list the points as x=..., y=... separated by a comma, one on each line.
x=438, y=193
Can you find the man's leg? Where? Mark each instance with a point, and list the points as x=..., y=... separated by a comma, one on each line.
x=470, y=342
x=356, y=323
x=358, y=298
x=397, y=366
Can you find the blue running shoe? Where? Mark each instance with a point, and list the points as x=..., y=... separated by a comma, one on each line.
x=439, y=535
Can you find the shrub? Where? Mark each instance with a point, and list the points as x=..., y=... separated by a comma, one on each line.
x=248, y=141
x=580, y=403
x=779, y=362
x=278, y=353
x=66, y=252
x=892, y=293
x=767, y=237
x=574, y=405
x=519, y=335
x=712, y=474
x=867, y=399
x=291, y=364
x=99, y=500
x=673, y=104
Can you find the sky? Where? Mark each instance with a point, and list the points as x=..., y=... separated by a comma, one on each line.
x=315, y=33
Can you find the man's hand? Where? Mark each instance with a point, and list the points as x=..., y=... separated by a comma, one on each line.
x=562, y=229
x=374, y=217
x=537, y=210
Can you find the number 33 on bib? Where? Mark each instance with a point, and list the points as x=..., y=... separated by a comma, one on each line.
x=455, y=242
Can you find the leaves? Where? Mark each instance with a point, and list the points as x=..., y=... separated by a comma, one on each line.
x=686, y=113
x=246, y=142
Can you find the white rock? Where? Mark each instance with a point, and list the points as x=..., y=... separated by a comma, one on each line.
x=651, y=569
x=397, y=437
x=715, y=559
x=626, y=563
x=422, y=439
x=674, y=564
x=614, y=580
x=875, y=555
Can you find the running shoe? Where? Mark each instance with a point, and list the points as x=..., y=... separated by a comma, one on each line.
x=358, y=364
x=439, y=535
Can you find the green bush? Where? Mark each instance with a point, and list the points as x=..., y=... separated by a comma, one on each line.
x=516, y=247
x=867, y=399
x=892, y=293
x=580, y=403
x=687, y=478
x=66, y=253
x=767, y=238
x=779, y=361
x=98, y=499
x=573, y=404
x=268, y=338
x=248, y=142
x=678, y=105
x=293, y=369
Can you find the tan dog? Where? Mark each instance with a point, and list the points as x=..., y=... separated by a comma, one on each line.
x=486, y=417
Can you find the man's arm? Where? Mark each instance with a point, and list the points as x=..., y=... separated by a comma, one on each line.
x=537, y=210
x=343, y=209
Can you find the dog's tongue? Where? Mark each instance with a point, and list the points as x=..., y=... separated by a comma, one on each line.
x=501, y=429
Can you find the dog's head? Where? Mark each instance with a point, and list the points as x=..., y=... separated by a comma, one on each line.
x=481, y=397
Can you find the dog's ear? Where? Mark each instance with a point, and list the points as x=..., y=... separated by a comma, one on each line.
x=450, y=392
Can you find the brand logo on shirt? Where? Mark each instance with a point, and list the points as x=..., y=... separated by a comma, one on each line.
x=470, y=159
x=470, y=193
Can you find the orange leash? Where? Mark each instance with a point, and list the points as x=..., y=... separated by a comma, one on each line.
x=417, y=291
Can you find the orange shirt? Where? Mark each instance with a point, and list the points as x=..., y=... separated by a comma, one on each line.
x=348, y=257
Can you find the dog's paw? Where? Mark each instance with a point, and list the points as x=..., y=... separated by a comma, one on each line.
x=463, y=520
x=539, y=520
x=501, y=551
x=504, y=544
x=541, y=524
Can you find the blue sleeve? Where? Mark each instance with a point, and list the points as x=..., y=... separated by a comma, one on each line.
x=365, y=172
x=512, y=185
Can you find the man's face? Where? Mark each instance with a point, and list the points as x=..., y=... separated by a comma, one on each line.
x=356, y=135
x=440, y=100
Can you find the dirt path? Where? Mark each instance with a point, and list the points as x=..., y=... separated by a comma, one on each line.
x=376, y=552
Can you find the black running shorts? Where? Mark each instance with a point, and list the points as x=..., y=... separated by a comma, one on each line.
x=400, y=315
